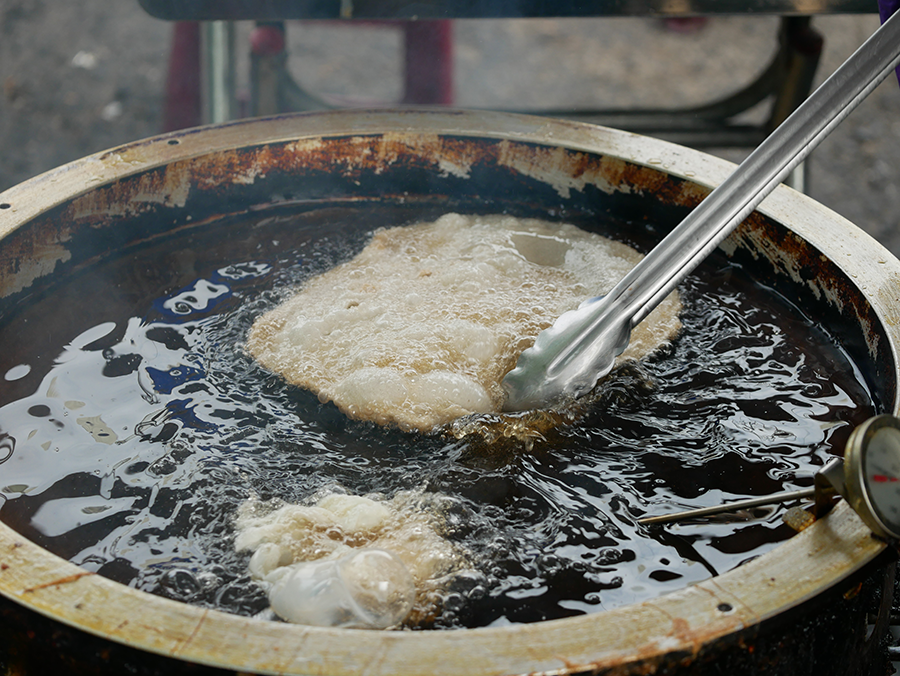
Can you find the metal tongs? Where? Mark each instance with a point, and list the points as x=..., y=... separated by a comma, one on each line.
x=569, y=358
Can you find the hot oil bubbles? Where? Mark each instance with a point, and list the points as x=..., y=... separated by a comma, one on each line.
x=148, y=434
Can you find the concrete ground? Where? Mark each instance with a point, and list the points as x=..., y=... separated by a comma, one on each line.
x=82, y=77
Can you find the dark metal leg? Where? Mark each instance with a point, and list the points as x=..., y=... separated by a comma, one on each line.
x=801, y=49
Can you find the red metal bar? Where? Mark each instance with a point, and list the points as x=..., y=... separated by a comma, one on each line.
x=429, y=62
x=183, y=105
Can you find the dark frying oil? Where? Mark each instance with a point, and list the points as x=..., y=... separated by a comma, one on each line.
x=133, y=425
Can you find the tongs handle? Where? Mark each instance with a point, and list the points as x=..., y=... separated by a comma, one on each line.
x=728, y=205
x=568, y=358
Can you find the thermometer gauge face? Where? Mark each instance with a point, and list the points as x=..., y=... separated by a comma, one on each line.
x=872, y=474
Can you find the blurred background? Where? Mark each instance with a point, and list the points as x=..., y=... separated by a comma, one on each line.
x=78, y=78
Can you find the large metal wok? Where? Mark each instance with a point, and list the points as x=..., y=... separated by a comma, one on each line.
x=818, y=586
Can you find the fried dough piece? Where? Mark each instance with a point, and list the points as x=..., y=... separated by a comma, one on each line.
x=421, y=326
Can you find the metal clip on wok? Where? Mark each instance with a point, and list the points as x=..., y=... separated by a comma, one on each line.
x=569, y=358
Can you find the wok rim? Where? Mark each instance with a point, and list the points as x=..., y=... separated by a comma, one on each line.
x=683, y=621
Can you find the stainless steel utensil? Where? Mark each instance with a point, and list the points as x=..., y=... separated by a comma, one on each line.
x=569, y=358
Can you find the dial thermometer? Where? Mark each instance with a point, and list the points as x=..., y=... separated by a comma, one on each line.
x=868, y=478
x=872, y=474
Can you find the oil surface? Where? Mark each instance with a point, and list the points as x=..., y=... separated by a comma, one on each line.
x=133, y=425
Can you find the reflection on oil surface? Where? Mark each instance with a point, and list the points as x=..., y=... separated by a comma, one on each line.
x=139, y=426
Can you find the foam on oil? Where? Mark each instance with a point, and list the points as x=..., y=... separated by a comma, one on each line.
x=147, y=429
x=420, y=327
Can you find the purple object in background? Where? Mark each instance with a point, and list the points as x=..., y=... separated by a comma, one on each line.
x=886, y=8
